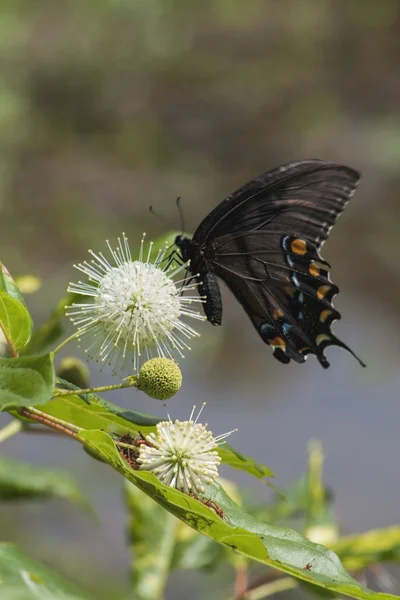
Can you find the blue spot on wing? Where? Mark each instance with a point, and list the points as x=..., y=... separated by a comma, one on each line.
x=286, y=243
x=295, y=280
x=290, y=261
x=267, y=331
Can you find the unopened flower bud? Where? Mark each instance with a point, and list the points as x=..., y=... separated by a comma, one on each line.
x=160, y=378
x=75, y=371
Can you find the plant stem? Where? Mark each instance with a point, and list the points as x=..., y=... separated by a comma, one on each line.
x=66, y=341
x=103, y=388
x=34, y=429
x=62, y=426
x=241, y=580
x=123, y=445
x=11, y=429
x=268, y=589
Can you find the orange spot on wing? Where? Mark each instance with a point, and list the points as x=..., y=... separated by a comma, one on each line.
x=324, y=315
x=289, y=291
x=313, y=270
x=277, y=341
x=322, y=337
x=301, y=350
x=299, y=246
x=323, y=290
x=277, y=314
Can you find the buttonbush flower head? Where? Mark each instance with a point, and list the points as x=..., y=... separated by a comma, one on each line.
x=136, y=306
x=182, y=454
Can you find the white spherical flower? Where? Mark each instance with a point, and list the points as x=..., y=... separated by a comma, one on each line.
x=182, y=454
x=137, y=306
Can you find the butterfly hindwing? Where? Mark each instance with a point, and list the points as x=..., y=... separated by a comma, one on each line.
x=284, y=286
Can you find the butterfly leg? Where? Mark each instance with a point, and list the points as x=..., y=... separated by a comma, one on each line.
x=173, y=257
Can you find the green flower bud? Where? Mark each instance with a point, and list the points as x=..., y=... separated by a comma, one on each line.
x=75, y=371
x=159, y=378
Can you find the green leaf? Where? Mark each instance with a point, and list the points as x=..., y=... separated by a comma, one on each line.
x=8, y=285
x=27, y=380
x=19, y=480
x=152, y=536
x=141, y=421
x=97, y=415
x=235, y=459
x=277, y=547
x=21, y=578
x=15, y=321
x=52, y=329
x=67, y=385
x=359, y=551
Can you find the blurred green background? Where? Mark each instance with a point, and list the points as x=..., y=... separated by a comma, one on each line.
x=108, y=106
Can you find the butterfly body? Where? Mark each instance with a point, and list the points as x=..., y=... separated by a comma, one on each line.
x=263, y=241
x=202, y=269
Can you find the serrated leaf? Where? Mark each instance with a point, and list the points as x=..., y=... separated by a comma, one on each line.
x=360, y=550
x=27, y=380
x=18, y=480
x=22, y=578
x=15, y=321
x=277, y=547
x=152, y=537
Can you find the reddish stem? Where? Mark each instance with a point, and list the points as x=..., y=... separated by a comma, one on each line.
x=241, y=581
x=25, y=412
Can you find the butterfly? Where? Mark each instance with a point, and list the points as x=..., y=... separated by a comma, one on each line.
x=263, y=241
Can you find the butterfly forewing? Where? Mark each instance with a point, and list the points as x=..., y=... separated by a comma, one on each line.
x=302, y=198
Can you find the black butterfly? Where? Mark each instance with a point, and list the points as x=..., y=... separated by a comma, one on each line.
x=263, y=241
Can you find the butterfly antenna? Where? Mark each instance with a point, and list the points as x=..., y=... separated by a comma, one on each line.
x=163, y=219
x=180, y=211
